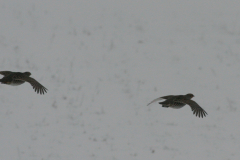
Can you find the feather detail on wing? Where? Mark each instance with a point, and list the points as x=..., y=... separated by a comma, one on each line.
x=35, y=84
x=5, y=73
x=197, y=110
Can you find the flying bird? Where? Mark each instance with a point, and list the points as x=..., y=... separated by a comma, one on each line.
x=179, y=101
x=18, y=78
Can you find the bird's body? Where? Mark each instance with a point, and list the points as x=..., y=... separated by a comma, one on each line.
x=179, y=101
x=18, y=78
x=175, y=101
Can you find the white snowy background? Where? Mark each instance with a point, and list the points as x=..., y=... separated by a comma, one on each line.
x=103, y=62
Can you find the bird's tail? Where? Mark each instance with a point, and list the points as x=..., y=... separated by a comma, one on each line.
x=155, y=100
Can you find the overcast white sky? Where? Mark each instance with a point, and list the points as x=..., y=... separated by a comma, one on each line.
x=103, y=62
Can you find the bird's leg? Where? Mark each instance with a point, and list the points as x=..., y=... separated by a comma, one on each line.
x=165, y=106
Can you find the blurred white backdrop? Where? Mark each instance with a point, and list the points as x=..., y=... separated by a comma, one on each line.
x=102, y=62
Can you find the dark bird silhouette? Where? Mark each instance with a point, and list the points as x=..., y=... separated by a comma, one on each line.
x=18, y=78
x=179, y=101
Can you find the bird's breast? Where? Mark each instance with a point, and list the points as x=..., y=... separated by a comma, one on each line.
x=177, y=105
x=16, y=83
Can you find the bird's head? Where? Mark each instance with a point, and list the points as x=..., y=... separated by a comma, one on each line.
x=190, y=95
x=27, y=73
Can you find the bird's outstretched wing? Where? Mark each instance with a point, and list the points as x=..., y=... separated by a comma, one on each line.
x=160, y=98
x=5, y=73
x=197, y=110
x=35, y=84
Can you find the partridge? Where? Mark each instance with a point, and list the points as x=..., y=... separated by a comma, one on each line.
x=18, y=78
x=179, y=101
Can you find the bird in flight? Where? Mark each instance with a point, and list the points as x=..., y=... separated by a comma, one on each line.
x=179, y=101
x=18, y=78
